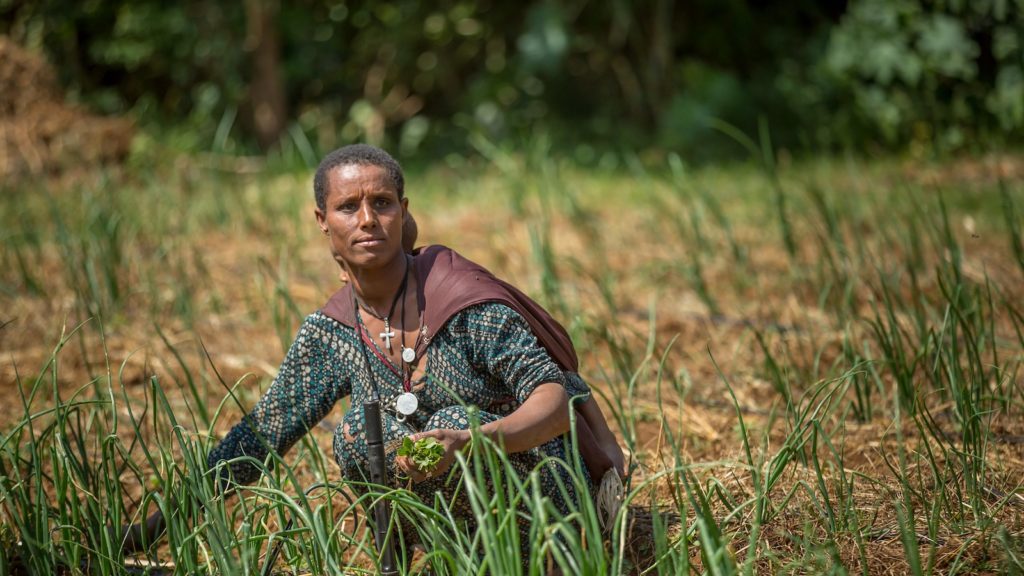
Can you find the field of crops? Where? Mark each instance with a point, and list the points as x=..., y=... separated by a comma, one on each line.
x=814, y=368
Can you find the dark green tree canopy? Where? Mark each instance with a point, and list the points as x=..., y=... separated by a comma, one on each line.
x=641, y=74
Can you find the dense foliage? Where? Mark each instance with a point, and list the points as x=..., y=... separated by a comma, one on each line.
x=652, y=73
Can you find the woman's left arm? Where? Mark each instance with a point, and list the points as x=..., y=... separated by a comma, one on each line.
x=501, y=344
x=543, y=416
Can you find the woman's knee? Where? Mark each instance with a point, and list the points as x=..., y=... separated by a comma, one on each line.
x=350, y=438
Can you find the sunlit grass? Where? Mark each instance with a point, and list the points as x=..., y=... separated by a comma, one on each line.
x=814, y=368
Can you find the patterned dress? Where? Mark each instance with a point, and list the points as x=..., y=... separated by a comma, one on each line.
x=485, y=356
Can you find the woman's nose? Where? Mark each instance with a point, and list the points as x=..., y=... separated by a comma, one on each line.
x=367, y=216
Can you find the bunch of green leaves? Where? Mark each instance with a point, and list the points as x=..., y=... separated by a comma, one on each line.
x=425, y=453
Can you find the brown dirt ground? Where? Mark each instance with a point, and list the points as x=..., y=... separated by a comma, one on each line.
x=244, y=348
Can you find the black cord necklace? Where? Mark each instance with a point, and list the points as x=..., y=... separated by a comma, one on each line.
x=405, y=403
x=408, y=354
x=388, y=333
x=366, y=357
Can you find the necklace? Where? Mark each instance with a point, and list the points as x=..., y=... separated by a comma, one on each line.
x=408, y=354
x=388, y=333
x=405, y=403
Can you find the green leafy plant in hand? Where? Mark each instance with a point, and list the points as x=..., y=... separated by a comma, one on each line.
x=425, y=453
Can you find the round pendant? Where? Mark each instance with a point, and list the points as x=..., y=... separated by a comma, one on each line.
x=408, y=355
x=406, y=403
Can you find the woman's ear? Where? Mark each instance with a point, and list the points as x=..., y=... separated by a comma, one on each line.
x=409, y=232
x=321, y=220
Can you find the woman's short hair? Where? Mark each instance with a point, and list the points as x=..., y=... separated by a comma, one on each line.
x=357, y=155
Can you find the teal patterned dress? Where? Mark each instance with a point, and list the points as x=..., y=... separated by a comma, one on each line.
x=485, y=356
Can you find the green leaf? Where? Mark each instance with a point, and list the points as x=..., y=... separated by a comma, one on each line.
x=425, y=453
x=406, y=448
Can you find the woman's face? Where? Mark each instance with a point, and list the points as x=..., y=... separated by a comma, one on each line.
x=362, y=216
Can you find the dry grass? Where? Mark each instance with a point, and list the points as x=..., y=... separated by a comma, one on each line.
x=236, y=273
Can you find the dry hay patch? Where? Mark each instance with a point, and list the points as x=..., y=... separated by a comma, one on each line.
x=41, y=134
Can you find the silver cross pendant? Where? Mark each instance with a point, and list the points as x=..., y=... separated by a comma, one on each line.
x=387, y=334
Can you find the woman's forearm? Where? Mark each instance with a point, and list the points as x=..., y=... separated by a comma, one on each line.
x=543, y=416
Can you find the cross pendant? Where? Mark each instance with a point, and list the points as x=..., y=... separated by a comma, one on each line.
x=387, y=335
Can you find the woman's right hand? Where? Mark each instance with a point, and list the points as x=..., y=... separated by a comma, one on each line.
x=136, y=537
x=451, y=440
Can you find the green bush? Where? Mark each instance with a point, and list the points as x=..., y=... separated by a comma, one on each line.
x=913, y=71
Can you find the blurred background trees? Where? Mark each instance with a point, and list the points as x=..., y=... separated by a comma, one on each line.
x=422, y=77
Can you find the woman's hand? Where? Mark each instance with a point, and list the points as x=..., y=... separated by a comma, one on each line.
x=451, y=440
x=543, y=416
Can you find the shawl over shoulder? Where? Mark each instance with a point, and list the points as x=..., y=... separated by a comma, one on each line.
x=448, y=283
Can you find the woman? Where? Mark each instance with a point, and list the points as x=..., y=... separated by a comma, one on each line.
x=428, y=335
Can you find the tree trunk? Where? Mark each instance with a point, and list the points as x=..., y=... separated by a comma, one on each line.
x=266, y=88
x=661, y=59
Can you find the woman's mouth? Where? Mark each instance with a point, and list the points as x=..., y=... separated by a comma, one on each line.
x=369, y=242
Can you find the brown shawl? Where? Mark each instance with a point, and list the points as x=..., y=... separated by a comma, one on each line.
x=448, y=283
